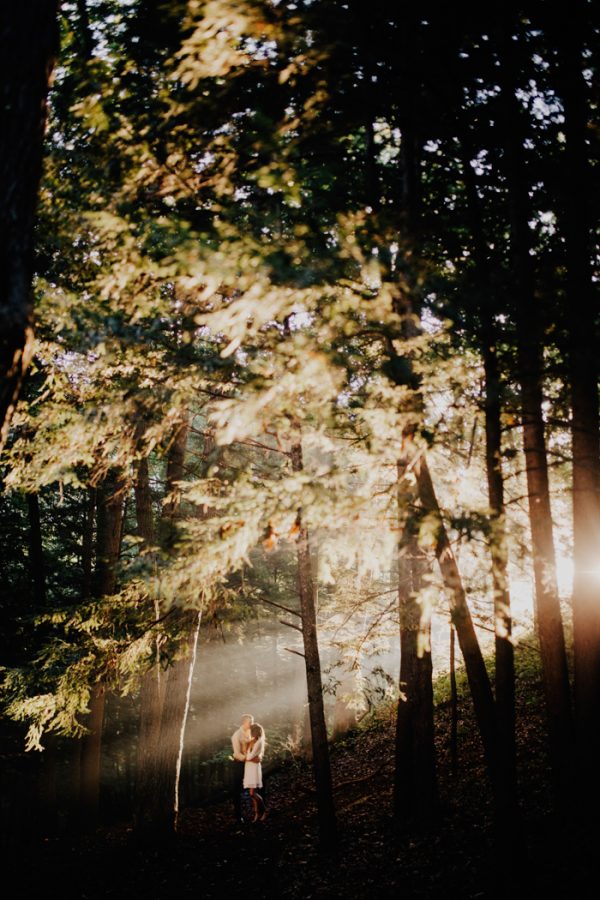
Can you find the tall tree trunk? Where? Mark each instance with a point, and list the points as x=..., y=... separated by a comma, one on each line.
x=529, y=364
x=453, y=704
x=151, y=694
x=143, y=503
x=401, y=371
x=74, y=747
x=158, y=806
x=488, y=338
x=46, y=821
x=158, y=794
x=91, y=745
x=314, y=684
x=192, y=652
x=47, y=786
x=28, y=45
x=415, y=789
x=110, y=509
x=505, y=665
x=415, y=786
x=582, y=323
x=548, y=614
x=84, y=32
x=72, y=754
x=477, y=676
x=175, y=467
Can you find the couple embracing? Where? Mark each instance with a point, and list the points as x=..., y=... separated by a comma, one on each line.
x=248, y=744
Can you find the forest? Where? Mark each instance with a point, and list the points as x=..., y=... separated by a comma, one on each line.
x=300, y=429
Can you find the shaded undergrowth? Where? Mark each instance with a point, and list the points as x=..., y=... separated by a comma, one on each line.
x=454, y=856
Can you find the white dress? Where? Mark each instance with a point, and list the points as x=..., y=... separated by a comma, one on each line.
x=253, y=771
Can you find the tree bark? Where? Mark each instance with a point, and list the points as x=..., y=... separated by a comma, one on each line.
x=74, y=749
x=143, y=503
x=158, y=787
x=46, y=822
x=28, y=44
x=91, y=746
x=110, y=509
x=152, y=686
x=47, y=787
x=84, y=31
x=158, y=804
x=192, y=652
x=453, y=704
x=488, y=338
x=582, y=308
x=314, y=684
x=401, y=371
x=477, y=676
x=529, y=364
x=505, y=665
x=415, y=787
x=175, y=464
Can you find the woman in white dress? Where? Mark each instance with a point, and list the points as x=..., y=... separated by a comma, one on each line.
x=253, y=770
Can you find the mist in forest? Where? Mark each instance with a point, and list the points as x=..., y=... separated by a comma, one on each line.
x=254, y=667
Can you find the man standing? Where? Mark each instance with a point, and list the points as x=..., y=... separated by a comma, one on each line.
x=239, y=742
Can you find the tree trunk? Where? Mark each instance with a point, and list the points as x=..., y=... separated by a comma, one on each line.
x=505, y=666
x=415, y=787
x=549, y=621
x=74, y=748
x=47, y=787
x=477, y=676
x=401, y=371
x=84, y=32
x=529, y=364
x=508, y=826
x=91, y=746
x=143, y=503
x=151, y=694
x=583, y=375
x=192, y=654
x=488, y=337
x=29, y=44
x=175, y=464
x=109, y=515
x=453, y=704
x=46, y=821
x=318, y=726
x=110, y=509
x=158, y=788
x=73, y=787
x=158, y=802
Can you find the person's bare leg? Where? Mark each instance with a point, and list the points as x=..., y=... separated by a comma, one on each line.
x=262, y=807
x=254, y=804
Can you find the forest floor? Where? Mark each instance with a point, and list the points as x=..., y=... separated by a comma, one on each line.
x=454, y=857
